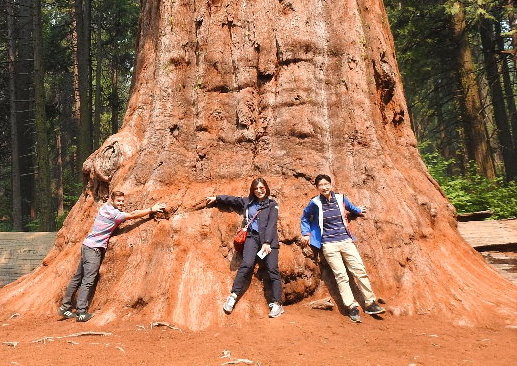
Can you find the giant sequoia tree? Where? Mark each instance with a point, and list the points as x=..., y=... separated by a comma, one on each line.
x=225, y=91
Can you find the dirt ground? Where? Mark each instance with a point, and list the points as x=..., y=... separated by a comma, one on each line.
x=301, y=336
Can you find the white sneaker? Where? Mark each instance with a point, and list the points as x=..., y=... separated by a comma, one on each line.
x=229, y=304
x=276, y=310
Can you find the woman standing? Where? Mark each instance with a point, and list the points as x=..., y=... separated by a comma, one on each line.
x=261, y=213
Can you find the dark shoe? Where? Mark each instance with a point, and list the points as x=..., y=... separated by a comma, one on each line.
x=84, y=317
x=66, y=313
x=353, y=313
x=374, y=308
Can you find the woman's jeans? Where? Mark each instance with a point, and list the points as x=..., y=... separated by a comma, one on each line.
x=249, y=257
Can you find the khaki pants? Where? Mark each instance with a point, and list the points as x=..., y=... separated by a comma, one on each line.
x=344, y=253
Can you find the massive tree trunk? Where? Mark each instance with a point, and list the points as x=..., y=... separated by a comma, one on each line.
x=231, y=90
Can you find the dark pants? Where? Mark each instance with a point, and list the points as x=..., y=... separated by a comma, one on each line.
x=249, y=257
x=84, y=278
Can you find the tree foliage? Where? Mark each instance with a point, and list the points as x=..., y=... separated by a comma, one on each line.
x=426, y=54
x=471, y=192
x=426, y=51
x=117, y=23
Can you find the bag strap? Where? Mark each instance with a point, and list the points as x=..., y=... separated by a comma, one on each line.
x=253, y=218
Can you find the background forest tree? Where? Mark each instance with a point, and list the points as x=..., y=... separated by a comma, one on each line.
x=64, y=86
x=458, y=63
x=66, y=79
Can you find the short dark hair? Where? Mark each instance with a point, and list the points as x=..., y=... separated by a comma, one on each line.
x=320, y=177
x=116, y=194
x=254, y=185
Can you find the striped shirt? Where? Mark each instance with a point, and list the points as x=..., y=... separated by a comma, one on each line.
x=105, y=223
x=333, y=227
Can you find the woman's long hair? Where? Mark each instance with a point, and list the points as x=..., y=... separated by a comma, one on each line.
x=254, y=185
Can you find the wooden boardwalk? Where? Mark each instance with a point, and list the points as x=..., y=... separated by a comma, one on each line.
x=496, y=240
x=489, y=233
x=20, y=253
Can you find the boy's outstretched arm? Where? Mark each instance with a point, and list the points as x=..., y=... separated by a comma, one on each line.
x=159, y=207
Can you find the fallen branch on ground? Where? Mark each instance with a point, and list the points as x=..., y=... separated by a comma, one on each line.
x=239, y=360
x=323, y=304
x=43, y=340
x=164, y=324
x=80, y=334
x=11, y=344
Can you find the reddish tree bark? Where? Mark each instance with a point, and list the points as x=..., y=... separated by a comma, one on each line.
x=225, y=91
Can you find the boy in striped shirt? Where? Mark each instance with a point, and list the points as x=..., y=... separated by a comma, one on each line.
x=109, y=217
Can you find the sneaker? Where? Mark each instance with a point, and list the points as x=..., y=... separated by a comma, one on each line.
x=66, y=313
x=84, y=317
x=229, y=304
x=353, y=313
x=276, y=309
x=374, y=308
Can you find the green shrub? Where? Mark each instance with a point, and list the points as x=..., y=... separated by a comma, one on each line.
x=32, y=225
x=472, y=192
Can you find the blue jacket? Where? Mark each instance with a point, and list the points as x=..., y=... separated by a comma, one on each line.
x=312, y=218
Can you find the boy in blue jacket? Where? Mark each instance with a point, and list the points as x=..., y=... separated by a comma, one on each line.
x=324, y=226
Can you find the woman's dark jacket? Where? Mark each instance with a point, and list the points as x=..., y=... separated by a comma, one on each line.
x=267, y=217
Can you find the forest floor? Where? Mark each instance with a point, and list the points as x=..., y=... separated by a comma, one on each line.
x=301, y=336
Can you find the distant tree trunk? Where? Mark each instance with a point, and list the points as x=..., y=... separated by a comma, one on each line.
x=15, y=165
x=82, y=53
x=43, y=198
x=507, y=83
x=114, y=98
x=510, y=7
x=98, y=84
x=445, y=141
x=24, y=94
x=477, y=142
x=415, y=125
x=66, y=130
x=496, y=93
x=76, y=104
x=59, y=171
